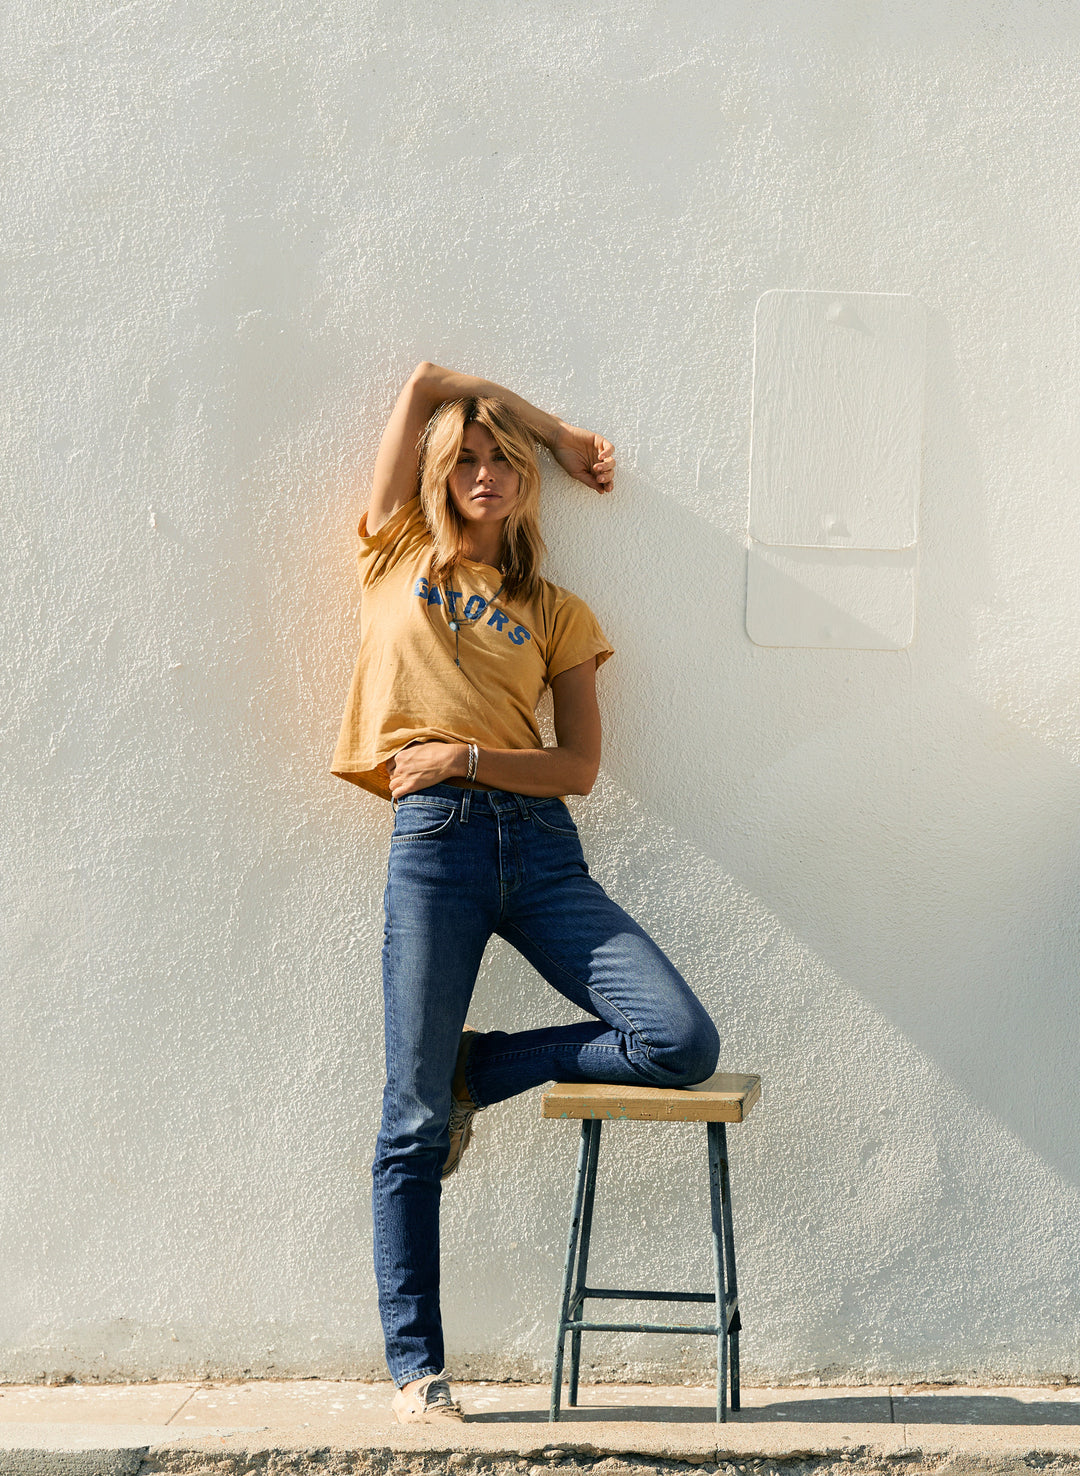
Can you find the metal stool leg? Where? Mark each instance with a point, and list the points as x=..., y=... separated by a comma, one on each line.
x=583, y=1256
x=568, y=1269
x=726, y=1324
x=717, y=1173
x=729, y=1260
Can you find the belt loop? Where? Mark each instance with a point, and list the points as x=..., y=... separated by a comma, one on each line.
x=466, y=805
x=522, y=806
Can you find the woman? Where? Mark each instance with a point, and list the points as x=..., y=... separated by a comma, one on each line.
x=461, y=635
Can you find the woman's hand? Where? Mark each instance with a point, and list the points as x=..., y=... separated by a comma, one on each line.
x=421, y=764
x=587, y=457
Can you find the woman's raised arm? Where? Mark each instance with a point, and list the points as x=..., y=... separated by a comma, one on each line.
x=588, y=458
x=394, y=481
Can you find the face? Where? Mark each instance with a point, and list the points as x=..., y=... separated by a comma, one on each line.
x=483, y=485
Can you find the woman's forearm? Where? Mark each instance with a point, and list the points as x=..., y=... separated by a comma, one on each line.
x=536, y=771
x=583, y=455
x=439, y=385
x=541, y=772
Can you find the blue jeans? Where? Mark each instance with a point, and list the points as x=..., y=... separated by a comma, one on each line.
x=465, y=864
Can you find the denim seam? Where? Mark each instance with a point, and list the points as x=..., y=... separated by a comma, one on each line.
x=470, y=1087
x=388, y=1012
x=398, y=840
x=589, y=988
x=552, y=829
x=379, y=1215
x=420, y=1374
x=594, y=1045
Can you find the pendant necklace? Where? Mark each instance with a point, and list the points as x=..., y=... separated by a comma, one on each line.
x=457, y=621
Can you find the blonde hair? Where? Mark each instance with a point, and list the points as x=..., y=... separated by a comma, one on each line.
x=523, y=548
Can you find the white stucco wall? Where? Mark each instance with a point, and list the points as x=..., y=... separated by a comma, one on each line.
x=228, y=233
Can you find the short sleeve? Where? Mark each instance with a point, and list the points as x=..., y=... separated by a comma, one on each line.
x=576, y=636
x=400, y=537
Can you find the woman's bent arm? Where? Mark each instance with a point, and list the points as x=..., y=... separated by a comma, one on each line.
x=569, y=768
x=585, y=456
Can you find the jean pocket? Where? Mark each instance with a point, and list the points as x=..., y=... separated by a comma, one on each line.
x=419, y=819
x=552, y=815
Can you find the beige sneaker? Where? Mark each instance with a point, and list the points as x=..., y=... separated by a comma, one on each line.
x=462, y=1110
x=428, y=1403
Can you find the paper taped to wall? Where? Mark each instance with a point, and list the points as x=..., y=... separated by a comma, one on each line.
x=835, y=469
x=839, y=598
x=836, y=435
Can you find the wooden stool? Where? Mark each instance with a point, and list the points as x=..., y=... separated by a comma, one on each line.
x=722, y=1099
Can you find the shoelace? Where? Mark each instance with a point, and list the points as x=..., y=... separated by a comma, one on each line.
x=460, y=1114
x=437, y=1396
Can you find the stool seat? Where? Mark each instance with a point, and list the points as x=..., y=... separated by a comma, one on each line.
x=725, y=1097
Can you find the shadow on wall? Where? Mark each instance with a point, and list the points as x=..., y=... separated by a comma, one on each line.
x=923, y=845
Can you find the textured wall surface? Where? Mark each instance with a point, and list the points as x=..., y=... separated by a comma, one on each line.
x=228, y=233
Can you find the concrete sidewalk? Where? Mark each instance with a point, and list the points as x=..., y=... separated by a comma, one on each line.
x=319, y=1425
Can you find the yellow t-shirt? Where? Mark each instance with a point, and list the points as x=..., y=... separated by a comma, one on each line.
x=406, y=687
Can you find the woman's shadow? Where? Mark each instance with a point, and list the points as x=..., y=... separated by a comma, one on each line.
x=919, y=840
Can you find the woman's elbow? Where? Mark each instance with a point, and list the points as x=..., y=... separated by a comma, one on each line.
x=585, y=773
x=427, y=376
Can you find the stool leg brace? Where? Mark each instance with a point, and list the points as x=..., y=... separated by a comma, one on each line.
x=575, y=1291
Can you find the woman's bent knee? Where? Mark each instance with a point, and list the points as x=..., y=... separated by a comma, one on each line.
x=698, y=1060
x=690, y=1055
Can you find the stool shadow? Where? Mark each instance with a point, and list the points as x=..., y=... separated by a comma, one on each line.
x=605, y=1414
x=936, y=1409
x=983, y=1409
